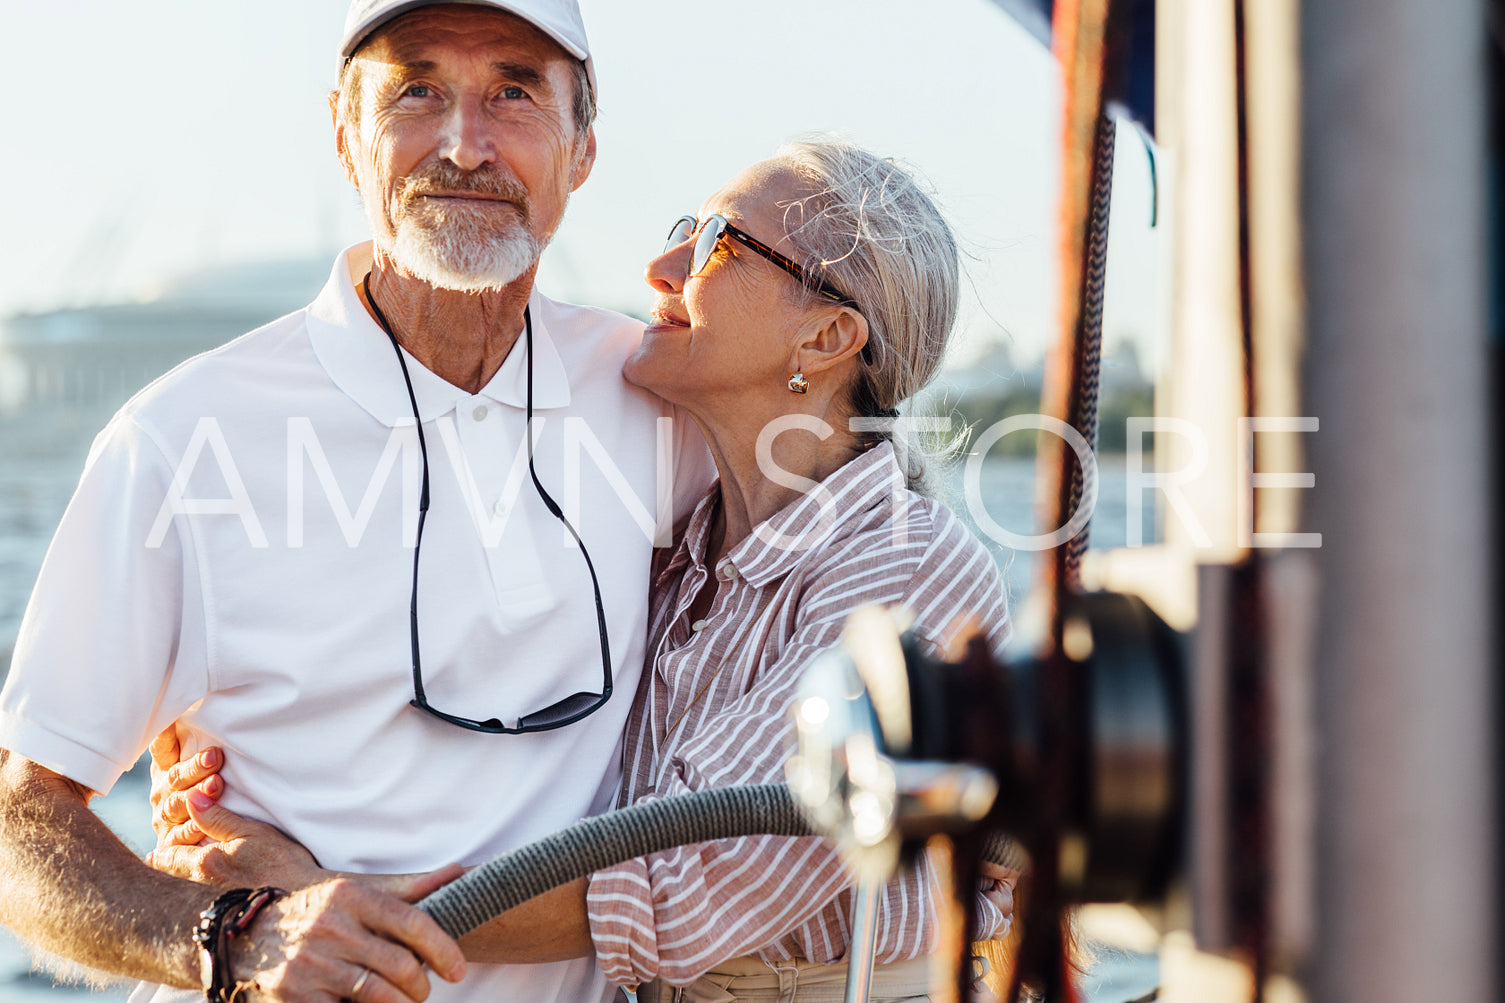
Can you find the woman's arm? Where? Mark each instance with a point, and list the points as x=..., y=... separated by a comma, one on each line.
x=675, y=914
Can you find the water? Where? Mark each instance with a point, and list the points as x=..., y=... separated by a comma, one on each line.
x=1005, y=489
x=38, y=470
x=33, y=493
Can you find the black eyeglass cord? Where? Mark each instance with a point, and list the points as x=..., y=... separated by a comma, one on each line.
x=423, y=493
x=420, y=700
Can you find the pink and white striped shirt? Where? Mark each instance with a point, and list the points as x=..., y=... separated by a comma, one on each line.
x=713, y=711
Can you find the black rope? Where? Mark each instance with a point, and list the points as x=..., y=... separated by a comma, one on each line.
x=423, y=494
x=1084, y=405
x=558, y=513
x=420, y=700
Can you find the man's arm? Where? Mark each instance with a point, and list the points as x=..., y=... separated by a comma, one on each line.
x=553, y=926
x=70, y=887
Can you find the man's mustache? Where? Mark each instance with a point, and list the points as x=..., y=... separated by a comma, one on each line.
x=493, y=181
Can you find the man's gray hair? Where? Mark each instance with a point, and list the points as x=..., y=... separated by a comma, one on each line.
x=869, y=228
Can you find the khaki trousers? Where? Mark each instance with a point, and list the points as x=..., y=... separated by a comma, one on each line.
x=792, y=982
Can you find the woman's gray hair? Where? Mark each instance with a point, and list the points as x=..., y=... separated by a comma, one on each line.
x=868, y=228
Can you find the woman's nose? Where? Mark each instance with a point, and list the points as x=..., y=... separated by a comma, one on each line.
x=667, y=272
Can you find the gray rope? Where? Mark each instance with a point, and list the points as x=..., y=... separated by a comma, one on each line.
x=649, y=827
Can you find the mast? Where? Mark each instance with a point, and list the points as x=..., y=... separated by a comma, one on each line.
x=1395, y=233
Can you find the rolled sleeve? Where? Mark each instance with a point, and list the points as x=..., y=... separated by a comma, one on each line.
x=99, y=665
x=674, y=915
x=993, y=921
x=620, y=906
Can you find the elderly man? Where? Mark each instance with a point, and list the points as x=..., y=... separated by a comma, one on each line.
x=408, y=671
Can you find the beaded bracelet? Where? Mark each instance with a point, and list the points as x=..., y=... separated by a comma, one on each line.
x=225, y=919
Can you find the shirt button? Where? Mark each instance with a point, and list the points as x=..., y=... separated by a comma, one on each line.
x=728, y=570
x=479, y=414
x=501, y=508
x=697, y=625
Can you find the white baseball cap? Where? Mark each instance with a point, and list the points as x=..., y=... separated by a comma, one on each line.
x=559, y=19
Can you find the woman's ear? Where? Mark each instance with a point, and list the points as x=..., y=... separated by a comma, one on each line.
x=833, y=336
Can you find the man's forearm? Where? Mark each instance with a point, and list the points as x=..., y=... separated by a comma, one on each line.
x=70, y=887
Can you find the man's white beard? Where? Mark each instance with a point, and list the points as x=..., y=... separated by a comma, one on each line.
x=463, y=249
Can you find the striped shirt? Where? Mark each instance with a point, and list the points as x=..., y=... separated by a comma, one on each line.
x=713, y=711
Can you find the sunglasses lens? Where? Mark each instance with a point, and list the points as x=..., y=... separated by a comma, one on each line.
x=681, y=232
x=705, y=246
x=571, y=706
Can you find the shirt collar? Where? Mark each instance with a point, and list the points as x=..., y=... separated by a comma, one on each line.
x=781, y=541
x=692, y=545
x=357, y=355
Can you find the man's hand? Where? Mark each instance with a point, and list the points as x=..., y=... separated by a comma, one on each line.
x=317, y=943
x=73, y=889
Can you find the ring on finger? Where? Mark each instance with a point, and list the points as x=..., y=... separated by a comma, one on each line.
x=360, y=983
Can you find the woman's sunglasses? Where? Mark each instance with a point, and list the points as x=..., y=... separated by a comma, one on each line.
x=716, y=227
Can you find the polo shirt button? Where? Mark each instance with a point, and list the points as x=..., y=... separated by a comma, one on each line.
x=697, y=625
x=501, y=507
x=479, y=414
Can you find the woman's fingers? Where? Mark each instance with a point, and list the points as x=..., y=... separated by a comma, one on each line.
x=165, y=751
x=171, y=786
x=188, y=772
x=172, y=809
x=171, y=772
x=165, y=748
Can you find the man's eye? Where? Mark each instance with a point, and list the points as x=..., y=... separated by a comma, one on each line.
x=418, y=91
x=514, y=93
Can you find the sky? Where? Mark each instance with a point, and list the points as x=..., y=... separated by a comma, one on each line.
x=146, y=140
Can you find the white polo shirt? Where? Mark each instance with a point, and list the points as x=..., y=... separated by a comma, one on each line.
x=238, y=557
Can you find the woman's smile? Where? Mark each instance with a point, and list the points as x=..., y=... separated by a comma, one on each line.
x=660, y=317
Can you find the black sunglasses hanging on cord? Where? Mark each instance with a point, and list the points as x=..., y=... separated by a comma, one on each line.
x=573, y=707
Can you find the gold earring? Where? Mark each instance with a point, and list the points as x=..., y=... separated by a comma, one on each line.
x=798, y=384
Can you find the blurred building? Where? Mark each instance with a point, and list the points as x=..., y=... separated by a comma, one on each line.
x=64, y=371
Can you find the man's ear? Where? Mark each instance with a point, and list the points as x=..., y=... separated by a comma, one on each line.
x=341, y=139
x=835, y=335
x=586, y=162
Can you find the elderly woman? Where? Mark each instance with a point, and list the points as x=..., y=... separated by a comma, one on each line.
x=811, y=296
